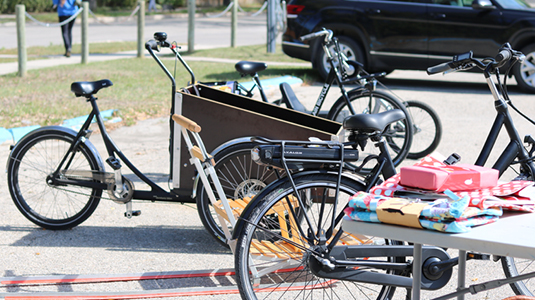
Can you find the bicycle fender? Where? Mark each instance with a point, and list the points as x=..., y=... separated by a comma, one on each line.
x=64, y=130
x=248, y=210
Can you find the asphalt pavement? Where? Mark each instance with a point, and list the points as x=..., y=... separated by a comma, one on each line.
x=170, y=237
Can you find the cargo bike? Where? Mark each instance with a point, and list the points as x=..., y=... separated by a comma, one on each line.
x=56, y=176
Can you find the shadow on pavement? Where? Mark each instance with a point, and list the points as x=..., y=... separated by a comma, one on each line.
x=155, y=239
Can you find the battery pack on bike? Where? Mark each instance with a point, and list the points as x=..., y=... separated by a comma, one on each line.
x=302, y=157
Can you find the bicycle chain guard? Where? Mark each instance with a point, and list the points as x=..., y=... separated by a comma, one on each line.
x=126, y=195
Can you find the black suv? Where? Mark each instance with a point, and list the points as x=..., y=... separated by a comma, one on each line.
x=413, y=34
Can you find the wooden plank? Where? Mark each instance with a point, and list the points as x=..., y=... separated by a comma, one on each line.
x=290, y=249
x=262, y=250
x=275, y=250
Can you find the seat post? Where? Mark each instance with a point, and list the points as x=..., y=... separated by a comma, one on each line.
x=256, y=80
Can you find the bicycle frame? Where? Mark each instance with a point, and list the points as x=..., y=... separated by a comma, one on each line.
x=335, y=74
x=515, y=148
x=156, y=193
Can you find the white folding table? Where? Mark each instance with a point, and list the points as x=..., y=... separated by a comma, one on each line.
x=511, y=235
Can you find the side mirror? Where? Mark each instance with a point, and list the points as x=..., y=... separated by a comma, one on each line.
x=483, y=4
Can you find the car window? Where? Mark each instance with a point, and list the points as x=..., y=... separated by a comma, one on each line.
x=513, y=4
x=460, y=3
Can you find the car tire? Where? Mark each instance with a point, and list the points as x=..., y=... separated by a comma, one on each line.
x=348, y=46
x=525, y=71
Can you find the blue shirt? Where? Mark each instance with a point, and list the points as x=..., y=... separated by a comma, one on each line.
x=68, y=9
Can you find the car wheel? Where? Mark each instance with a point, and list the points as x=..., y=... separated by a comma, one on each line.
x=525, y=71
x=348, y=46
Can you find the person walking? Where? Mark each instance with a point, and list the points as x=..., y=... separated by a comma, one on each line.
x=152, y=5
x=66, y=9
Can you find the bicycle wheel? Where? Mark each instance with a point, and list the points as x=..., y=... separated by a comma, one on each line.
x=50, y=206
x=398, y=135
x=427, y=129
x=275, y=247
x=518, y=266
x=240, y=178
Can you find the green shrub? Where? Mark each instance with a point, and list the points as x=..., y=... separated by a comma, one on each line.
x=172, y=3
x=114, y=4
x=8, y=6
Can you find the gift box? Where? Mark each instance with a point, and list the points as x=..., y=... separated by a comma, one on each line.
x=461, y=177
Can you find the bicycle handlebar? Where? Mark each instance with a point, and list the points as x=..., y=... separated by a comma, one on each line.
x=324, y=32
x=443, y=67
x=152, y=44
x=504, y=55
x=161, y=41
x=465, y=61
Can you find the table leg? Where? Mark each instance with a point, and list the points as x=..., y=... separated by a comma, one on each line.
x=416, y=271
x=461, y=273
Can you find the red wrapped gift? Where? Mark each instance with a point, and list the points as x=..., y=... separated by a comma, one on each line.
x=459, y=177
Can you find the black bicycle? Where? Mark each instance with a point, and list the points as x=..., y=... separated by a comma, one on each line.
x=366, y=98
x=289, y=241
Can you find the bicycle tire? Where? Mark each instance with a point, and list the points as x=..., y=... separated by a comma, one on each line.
x=516, y=266
x=398, y=135
x=52, y=207
x=427, y=131
x=240, y=177
x=271, y=227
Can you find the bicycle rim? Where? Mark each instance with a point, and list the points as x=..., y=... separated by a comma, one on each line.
x=427, y=129
x=241, y=179
x=518, y=266
x=49, y=206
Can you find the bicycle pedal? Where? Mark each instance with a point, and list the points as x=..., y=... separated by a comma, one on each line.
x=134, y=213
x=114, y=163
x=478, y=256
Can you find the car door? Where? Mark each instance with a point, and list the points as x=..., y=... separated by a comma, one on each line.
x=397, y=32
x=455, y=27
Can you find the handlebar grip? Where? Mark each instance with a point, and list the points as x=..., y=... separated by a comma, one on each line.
x=311, y=35
x=439, y=68
x=186, y=123
x=152, y=44
x=504, y=55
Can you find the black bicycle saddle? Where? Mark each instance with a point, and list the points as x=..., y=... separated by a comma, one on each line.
x=87, y=88
x=370, y=123
x=250, y=67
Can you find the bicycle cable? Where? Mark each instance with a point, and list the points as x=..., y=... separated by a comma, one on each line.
x=175, y=44
x=509, y=101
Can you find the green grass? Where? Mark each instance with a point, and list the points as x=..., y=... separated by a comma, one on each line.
x=141, y=90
